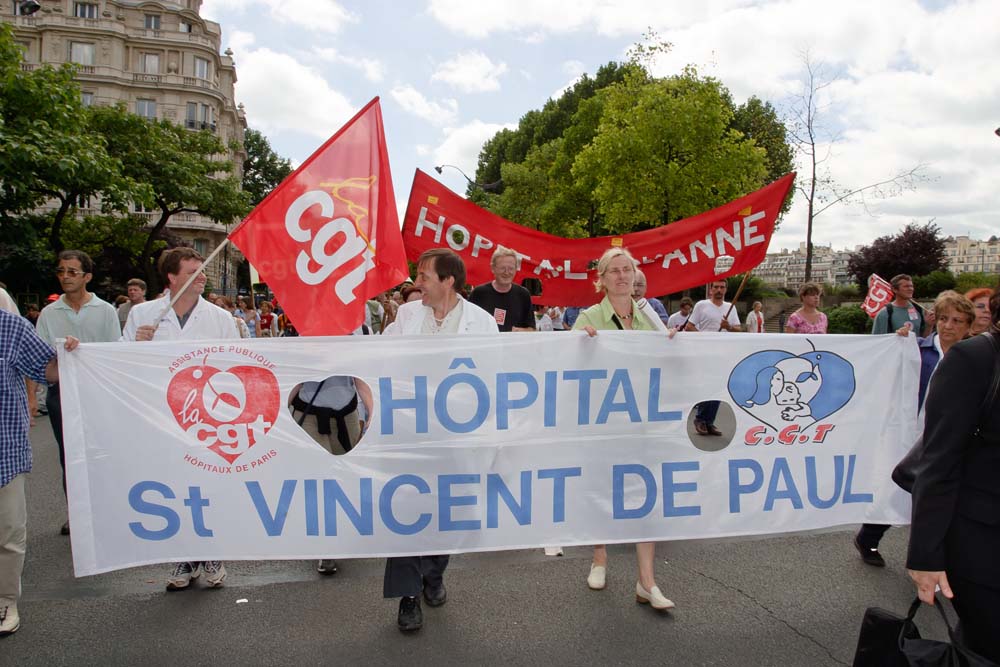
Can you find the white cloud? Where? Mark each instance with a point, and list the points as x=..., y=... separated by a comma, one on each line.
x=462, y=144
x=414, y=102
x=325, y=16
x=534, y=18
x=471, y=72
x=370, y=67
x=574, y=67
x=281, y=93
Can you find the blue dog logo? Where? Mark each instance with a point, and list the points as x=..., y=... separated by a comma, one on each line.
x=780, y=389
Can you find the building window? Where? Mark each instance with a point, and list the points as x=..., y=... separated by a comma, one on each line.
x=152, y=21
x=206, y=118
x=146, y=108
x=191, y=118
x=142, y=208
x=185, y=26
x=87, y=99
x=81, y=53
x=201, y=247
x=149, y=63
x=201, y=68
x=85, y=10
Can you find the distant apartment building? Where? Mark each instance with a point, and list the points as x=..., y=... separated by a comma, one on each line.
x=162, y=60
x=967, y=255
x=788, y=267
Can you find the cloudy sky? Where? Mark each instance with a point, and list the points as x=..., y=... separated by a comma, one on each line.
x=914, y=82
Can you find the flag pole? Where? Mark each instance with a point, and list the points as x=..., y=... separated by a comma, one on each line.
x=175, y=297
x=739, y=291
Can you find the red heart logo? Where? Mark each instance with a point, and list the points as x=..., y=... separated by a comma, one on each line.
x=226, y=410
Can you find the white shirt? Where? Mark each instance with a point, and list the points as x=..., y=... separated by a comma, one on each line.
x=544, y=323
x=706, y=316
x=206, y=322
x=677, y=320
x=7, y=303
x=411, y=318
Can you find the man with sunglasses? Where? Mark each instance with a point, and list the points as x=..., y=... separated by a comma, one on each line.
x=76, y=313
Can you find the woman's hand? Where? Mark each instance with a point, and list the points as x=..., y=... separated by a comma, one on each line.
x=591, y=331
x=671, y=332
x=926, y=583
x=904, y=330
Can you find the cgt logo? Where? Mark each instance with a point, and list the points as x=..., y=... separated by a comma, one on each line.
x=229, y=411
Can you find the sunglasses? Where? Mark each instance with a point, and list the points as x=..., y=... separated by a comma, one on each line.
x=72, y=273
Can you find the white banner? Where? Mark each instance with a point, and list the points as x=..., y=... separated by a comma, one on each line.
x=188, y=451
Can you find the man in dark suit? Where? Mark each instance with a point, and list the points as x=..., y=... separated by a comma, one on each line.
x=955, y=534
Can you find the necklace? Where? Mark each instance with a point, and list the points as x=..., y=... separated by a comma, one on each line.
x=623, y=317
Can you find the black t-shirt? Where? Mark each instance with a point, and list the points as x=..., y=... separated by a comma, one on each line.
x=510, y=309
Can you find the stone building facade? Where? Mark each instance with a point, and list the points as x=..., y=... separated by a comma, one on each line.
x=162, y=60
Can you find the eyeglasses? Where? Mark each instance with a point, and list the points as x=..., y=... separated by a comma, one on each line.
x=981, y=306
x=72, y=273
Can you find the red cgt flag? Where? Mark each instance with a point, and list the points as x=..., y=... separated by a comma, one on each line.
x=327, y=239
x=879, y=294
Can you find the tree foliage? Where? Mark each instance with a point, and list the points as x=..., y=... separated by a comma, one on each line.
x=184, y=171
x=849, y=319
x=263, y=169
x=916, y=250
x=935, y=282
x=48, y=150
x=625, y=151
x=971, y=280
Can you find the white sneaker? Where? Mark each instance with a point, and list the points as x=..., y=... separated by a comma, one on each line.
x=182, y=576
x=553, y=551
x=9, y=619
x=653, y=597
x=215, y=573
x=596, y=580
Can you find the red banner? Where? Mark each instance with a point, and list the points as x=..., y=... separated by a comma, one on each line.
x=327, y=239
x=725, y=241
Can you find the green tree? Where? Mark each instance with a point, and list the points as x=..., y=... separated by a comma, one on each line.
x=664, y=150
x=185, y=172
x=933, y=283
x=759, y=121
x=263, y=169
x=48, y=150
x=966, y=281
x=847, y=320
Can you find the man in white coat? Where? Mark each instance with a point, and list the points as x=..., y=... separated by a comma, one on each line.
x=441, y=310
x=190, y=318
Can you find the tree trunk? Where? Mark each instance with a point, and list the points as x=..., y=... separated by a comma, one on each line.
x=145, y=258
x=55, y=232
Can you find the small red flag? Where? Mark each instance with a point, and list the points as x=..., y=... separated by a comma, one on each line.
x=327, y=239
x=879, y=294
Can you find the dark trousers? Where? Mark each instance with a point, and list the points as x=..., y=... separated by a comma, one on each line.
x=405, y=575
x=706, y=412
x=871, y=534
x=978, y=608
x=54, y=405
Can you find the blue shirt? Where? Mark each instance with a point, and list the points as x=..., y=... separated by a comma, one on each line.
x=22, y=353
x=659, y=309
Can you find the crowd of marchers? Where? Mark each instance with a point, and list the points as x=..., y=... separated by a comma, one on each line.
x=955, y=535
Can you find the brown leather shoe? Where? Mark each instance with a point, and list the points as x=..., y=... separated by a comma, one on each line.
x=712, y=430
x=700, y=427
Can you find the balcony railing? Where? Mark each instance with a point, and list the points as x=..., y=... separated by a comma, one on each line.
x=146, y=78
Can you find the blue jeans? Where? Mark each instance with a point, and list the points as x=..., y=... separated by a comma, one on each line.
x=706, y=412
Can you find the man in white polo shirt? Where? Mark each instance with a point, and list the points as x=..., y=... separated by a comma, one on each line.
x=76, y=313
x=441, y=310
x=190, y=318
x=713, y=314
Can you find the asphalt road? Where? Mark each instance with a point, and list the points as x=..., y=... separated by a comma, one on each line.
x=783, y=600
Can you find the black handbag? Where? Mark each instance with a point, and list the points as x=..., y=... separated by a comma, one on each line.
x=905, y=472
x=891, y=640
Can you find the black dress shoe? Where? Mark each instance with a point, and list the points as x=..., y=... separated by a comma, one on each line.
x=869, y=556
x=411, y=617
x=65, y=528
x=435, y=595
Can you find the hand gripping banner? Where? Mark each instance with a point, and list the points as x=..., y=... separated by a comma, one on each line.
x=188, y=451
x=674, y=257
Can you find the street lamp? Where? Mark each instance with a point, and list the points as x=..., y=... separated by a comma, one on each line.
x=487, y=187
x=28, y=7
